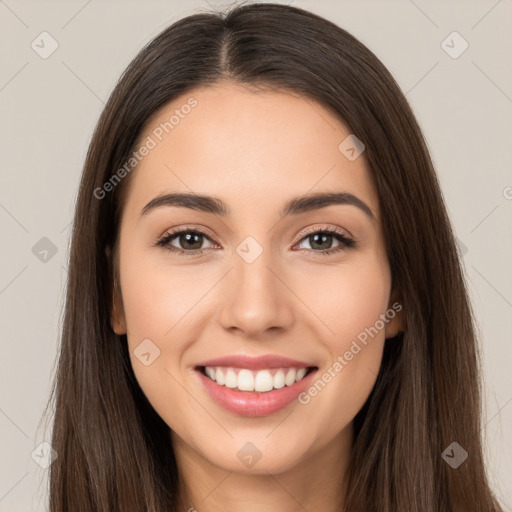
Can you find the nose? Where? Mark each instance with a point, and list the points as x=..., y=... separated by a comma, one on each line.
x=256, y=297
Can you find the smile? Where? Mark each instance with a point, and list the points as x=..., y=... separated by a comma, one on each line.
x=257, y=391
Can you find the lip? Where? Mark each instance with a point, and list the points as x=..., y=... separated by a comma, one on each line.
x=255, y=363
x=252, y=403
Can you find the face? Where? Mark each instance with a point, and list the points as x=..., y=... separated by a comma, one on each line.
x=297, y=303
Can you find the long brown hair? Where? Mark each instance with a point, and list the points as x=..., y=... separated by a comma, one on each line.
x=114, y=451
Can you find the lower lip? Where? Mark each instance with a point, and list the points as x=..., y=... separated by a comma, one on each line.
x=253, y=403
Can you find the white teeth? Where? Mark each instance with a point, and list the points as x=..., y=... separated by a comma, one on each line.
x=279, y=379
x=231, y=380
x=290, y=377
x=252, y=380
x=300, y=374
x=263, y=381
x=245, y=380
x=219, y=376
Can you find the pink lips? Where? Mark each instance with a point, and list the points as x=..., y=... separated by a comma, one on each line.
x=253, y=403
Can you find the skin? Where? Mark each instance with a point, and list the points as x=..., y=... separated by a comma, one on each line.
x=255, y=151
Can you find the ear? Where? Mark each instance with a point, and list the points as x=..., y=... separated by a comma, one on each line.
x=117, y=316
x=396, y=315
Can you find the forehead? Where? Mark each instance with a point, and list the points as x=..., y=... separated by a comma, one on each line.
x=246, y=146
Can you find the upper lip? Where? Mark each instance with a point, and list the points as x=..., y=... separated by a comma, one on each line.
x=255, y=363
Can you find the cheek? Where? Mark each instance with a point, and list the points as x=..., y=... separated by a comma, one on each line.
x=158, y=298
x=351, y=303
x=158, y=303
x=347, y=299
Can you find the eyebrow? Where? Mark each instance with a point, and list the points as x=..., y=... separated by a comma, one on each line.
x=295, y=206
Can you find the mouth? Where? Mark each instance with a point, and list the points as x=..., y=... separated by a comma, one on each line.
x=260, y=381
x=255, y=392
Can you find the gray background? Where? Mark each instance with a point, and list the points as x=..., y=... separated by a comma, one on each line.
x=50, y=106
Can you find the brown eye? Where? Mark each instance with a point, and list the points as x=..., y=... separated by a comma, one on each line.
x=321, y=241
x=187, y=241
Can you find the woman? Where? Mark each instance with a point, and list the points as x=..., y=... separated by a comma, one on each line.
x=265, y=305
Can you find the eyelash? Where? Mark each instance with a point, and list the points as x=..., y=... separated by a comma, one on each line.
x=346, y=242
